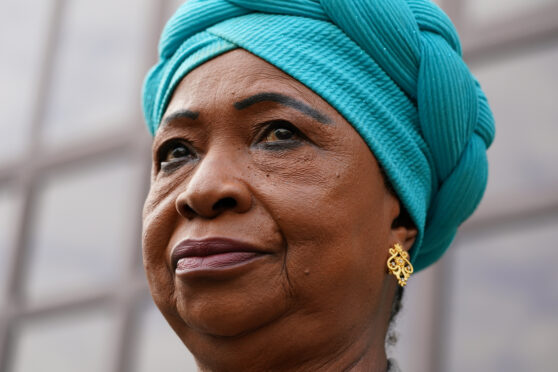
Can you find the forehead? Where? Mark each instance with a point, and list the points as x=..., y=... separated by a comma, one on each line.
x=236, y=75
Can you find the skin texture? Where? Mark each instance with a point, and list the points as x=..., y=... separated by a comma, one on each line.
x=309, y=194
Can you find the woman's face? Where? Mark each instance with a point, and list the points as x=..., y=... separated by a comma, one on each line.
x=267, y=226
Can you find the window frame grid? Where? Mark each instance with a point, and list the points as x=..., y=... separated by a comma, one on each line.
x=25, y=173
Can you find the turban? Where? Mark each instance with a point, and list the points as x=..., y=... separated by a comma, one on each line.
x=392, y=68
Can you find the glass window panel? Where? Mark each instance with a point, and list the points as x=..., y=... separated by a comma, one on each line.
x=505, y=301
x=83, y=222
x=522, y=93
x=97, y=72
x=19, y=68
x=66, y=343
x=159, y=348
x=482, y=11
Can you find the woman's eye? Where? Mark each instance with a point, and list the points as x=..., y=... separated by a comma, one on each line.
x=280, y=132
x=178, y=152
x=173, y=154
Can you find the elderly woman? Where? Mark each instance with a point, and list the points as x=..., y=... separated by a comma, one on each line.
x=306, y=155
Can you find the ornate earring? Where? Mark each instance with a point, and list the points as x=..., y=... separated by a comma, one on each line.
x=398, y=264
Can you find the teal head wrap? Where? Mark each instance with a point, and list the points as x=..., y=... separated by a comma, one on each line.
x=392, y=68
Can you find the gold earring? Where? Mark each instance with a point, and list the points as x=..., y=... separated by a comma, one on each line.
x=398, y=264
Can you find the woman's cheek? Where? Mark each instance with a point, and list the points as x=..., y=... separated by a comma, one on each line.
x=158, y=225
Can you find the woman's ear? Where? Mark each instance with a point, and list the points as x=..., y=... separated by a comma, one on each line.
x=404, y=235
x=403, y=230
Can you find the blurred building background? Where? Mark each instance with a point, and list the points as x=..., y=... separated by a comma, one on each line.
x=74, y=166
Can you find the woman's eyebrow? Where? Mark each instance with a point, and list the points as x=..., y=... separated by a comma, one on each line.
x=181, y=114
x=284, y=100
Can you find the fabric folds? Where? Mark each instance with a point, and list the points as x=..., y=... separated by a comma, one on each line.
x=392, y=68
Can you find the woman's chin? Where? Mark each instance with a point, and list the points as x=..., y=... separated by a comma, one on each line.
x=222, y=324
x=225, y=309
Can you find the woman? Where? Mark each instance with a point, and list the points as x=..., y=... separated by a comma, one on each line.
x=306, y=155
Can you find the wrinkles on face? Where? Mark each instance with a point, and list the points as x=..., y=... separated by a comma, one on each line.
x=288, y=176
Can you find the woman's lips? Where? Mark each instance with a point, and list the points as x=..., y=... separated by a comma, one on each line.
x=215, y=261
x=212, y=254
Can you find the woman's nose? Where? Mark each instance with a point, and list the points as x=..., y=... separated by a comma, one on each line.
x=215, y=187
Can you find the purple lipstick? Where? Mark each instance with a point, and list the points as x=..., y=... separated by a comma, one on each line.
x=190, y=255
